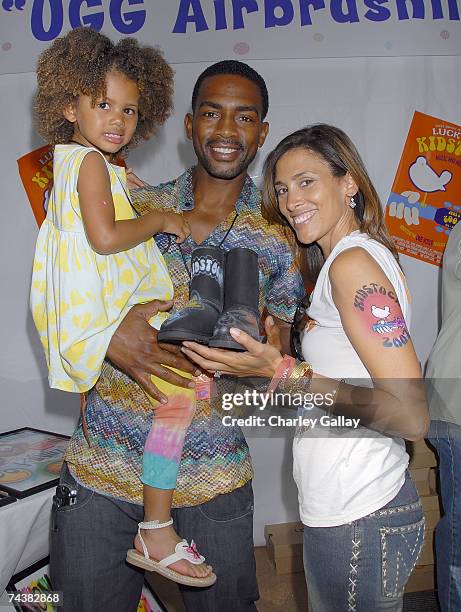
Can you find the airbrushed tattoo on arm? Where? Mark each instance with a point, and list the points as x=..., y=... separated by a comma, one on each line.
x=380, y=310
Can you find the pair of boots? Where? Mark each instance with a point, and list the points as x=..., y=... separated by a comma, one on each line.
x=223, y=293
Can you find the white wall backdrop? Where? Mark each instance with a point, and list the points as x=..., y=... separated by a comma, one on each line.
x=372, y=99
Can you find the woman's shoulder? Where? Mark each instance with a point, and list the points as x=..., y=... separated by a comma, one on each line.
x=361, y=252
x=349, y=260
x=364, y=246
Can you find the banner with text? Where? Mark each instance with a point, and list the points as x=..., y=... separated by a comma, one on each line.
x=205, y=31
x=425, y=201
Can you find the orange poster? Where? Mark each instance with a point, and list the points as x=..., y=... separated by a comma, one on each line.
x=36, y=172
x=425, y=201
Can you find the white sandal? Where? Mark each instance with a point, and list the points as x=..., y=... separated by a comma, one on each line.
x=181, y=551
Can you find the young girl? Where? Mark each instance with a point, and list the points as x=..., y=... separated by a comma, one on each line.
x=95, y=258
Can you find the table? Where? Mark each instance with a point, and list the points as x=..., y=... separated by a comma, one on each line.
x=24, y=533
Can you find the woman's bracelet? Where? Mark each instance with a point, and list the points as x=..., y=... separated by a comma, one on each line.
x=300, y=378
x=282, y=372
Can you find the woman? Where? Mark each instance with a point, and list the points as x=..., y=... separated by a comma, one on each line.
x=363, y=520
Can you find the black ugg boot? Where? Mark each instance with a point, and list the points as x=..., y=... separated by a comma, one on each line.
x=241, y=297
x=195, y=322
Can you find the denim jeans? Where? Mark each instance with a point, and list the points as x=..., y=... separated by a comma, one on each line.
x=446, y=437
x=223, y=529
x=363, y=566
x=89, y=541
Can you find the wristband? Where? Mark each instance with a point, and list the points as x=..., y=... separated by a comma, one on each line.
x=282, y=372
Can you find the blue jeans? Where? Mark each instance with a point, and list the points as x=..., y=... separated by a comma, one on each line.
x=89, y=541
x=446, y=437
x=363, y=566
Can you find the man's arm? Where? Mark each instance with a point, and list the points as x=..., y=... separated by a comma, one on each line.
x=134, y=350
x=282, y=340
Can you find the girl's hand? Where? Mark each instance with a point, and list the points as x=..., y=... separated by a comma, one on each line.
x=258, y=360
x=173, y=223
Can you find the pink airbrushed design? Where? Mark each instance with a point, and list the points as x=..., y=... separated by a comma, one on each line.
x=445, y=34
x=6, y=46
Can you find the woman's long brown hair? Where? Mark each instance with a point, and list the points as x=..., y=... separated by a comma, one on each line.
x=338, y=151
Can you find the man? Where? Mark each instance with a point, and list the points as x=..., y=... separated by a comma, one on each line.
x=213, y=499
x=443, y=374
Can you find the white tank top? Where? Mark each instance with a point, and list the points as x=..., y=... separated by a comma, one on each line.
x=341, y=479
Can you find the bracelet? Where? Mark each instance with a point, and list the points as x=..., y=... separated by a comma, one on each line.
x=281, y=373
x=301, y=375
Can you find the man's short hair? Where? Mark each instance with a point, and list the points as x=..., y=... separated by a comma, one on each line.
x=234, y=67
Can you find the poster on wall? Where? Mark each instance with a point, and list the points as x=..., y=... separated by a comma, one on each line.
x=36, y=172
x=425, y=200
x=205, y=31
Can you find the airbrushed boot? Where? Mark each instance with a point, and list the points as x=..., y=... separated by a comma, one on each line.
x=196, y=321
x=241, y=298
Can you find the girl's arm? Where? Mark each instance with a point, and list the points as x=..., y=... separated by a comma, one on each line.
x=104, y=233
x=396, y=405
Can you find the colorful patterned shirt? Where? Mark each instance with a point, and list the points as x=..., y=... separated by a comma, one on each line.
x=215, y=457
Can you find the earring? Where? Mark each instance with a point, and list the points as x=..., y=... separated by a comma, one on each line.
x=352, y=203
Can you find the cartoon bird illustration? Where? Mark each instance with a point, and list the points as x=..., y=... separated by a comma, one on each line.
x=426, y=178
x=380, y=313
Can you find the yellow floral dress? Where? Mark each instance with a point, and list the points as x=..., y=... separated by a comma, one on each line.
x=78, y=297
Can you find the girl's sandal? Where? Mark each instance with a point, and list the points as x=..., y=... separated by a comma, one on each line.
x=182, y=551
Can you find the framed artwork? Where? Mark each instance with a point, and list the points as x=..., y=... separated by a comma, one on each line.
x=5, y=498
x=30, y=460
x=31, y=591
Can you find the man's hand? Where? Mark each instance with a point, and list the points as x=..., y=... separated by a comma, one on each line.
x=134, y=350
x=133, y=181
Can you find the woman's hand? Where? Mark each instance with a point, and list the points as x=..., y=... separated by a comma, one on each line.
x=258, y=360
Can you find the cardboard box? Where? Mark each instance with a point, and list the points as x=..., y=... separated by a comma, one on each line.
x=433, y=479
x=431, y=509
x=427, y=553
x=420, y=477
x=422, y=579
x=421, y=455
x=285, y=546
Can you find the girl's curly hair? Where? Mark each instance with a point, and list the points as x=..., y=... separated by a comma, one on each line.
x=78, y=64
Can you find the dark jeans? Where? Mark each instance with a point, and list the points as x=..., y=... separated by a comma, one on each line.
x=89, y=541
x=446, y=437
